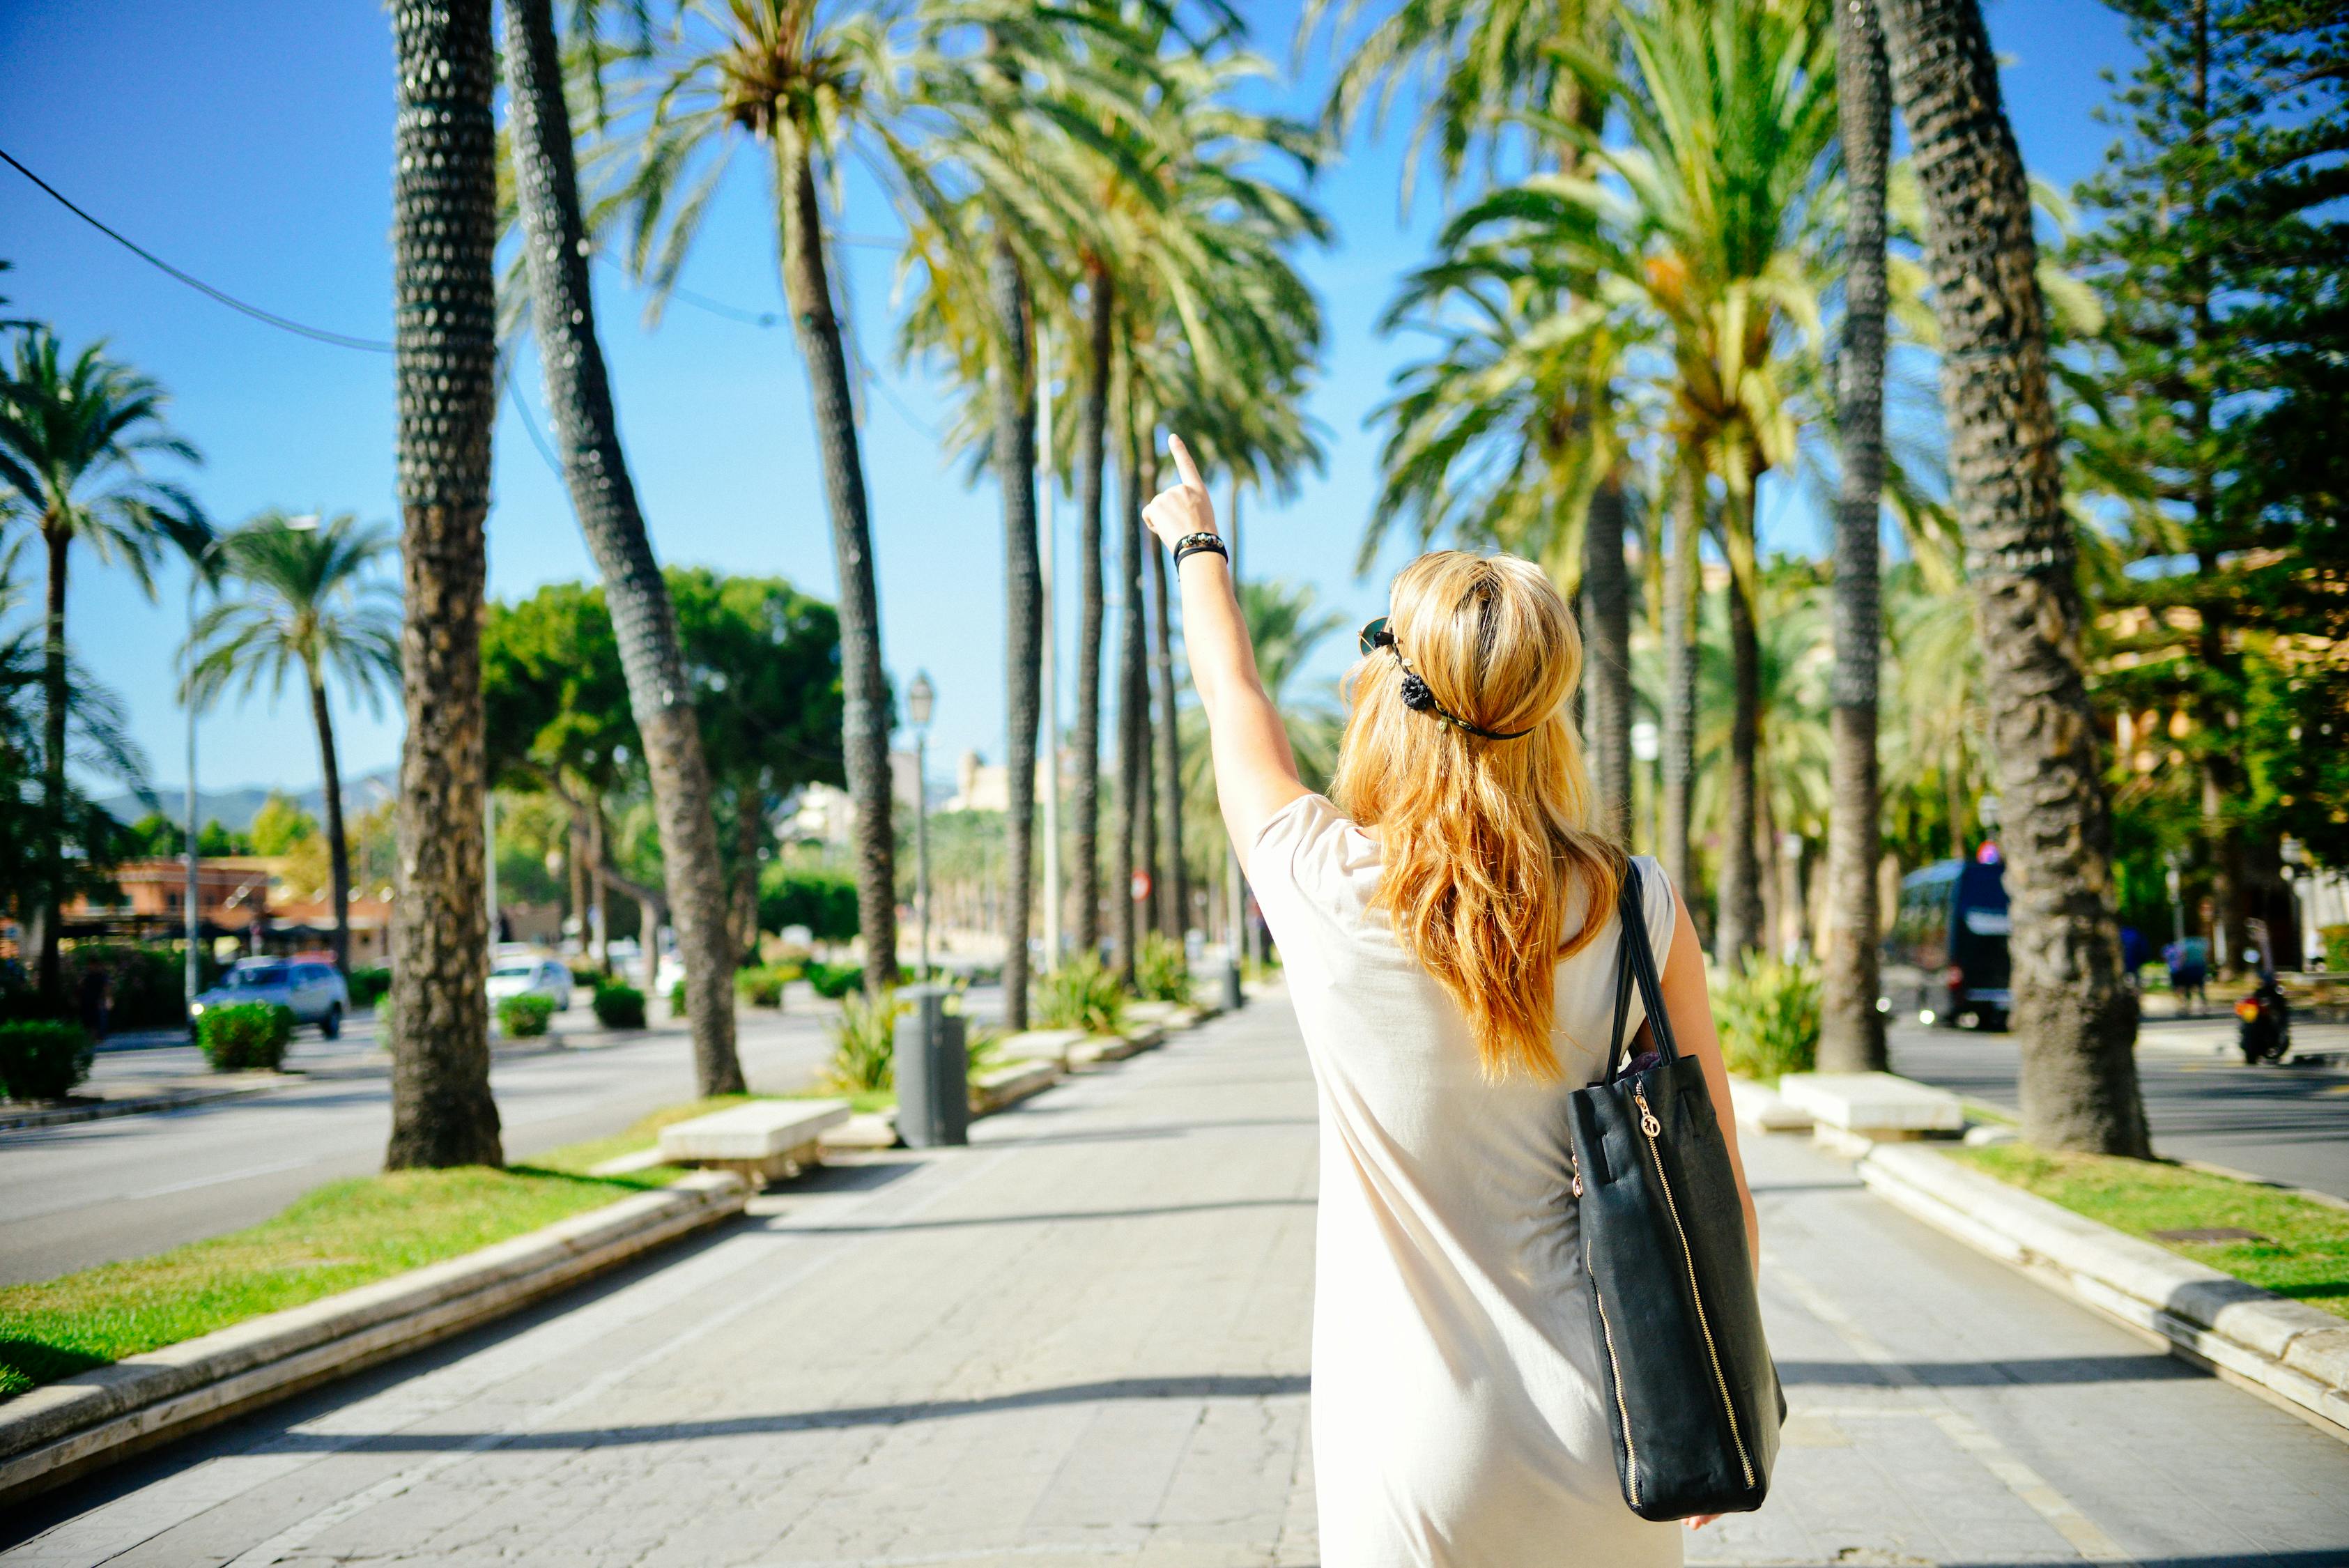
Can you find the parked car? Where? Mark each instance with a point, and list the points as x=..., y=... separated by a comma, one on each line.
x=1946, y=958
x=313, y=990
x=536, y=975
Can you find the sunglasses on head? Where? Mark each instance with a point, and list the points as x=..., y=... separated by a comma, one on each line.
x=1416, y=696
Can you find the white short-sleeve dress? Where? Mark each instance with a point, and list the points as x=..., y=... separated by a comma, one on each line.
x=1457, y=1401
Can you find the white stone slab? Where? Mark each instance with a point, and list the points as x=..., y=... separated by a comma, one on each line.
x=1873, y=1105
x=760, y=1130
x=1765, y=1109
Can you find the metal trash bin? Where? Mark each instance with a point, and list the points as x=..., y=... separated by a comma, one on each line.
x=933, y=1071
x=1234, y=998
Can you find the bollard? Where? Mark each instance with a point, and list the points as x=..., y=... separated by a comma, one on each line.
x=1234, y=998
x=932, y=1070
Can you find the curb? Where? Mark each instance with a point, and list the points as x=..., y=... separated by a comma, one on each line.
x=58, y=1431
x=144, y=1105
x=2291, y=1355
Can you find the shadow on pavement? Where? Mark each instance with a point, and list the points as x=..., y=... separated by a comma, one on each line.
x=2061, y=1369
x=912, y=1225
x=1271, y=1386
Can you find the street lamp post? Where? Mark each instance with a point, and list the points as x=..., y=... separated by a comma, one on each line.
x=188, y=655
x=919, y=698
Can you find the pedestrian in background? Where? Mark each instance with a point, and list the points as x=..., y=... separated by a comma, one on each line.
x=1449, y=927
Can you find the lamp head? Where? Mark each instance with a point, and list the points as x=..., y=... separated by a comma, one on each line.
x=919, y=699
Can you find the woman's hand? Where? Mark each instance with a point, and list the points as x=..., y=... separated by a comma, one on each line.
x=1185, y=508
x=1698, y=1521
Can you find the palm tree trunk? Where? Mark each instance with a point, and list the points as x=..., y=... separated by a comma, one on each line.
x=1851, y=1031
x=1741, y=871
x=579, y=397
x=1680, y=675
x=444, y=230
x=339, y=850
x=48, y=961
x=749, y=826
x=1607, y=651
x=1133, y=712
x=1092, y=456
x=1023, y=586
x=2075, y=1021
x=865, y=692
x=1174, y=894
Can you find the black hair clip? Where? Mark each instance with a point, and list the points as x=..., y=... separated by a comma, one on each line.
x=1416, y=694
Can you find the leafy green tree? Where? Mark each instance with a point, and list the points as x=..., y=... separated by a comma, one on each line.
x=2075, y=1020
x=314, y=604
x=2220, y=262
x=76, y=439
x=280, y=824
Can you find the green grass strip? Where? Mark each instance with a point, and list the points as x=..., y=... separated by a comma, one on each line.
x=2305, y=1255
x=335, y=1238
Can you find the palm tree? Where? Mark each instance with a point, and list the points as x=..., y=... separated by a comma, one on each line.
x=315, y=606
x=807, y=85
x=1851, y=1031
x=2075, y=1020
x=444, y=230
x=579, y=395
x=75, y=439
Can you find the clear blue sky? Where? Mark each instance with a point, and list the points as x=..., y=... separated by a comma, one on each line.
x=251, y=144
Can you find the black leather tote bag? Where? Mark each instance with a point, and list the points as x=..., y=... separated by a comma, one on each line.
x=1690, y=1389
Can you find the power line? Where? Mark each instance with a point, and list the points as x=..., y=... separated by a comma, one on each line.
x=340, y=340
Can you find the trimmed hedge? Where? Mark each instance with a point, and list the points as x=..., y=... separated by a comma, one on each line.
x=368, y=986
x=526, y=1017
x=43, y=1059
x=762, y=985
x=834, y=980
x=245, y=1036
x=619, y=1007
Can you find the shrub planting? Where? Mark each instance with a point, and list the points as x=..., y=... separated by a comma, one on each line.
x=762, y=985
x=527, y=1016
x=43, y=1059
x=1162, y=971
x=368, y=986
x=619, y=1007
x=1080, y=994
x=2336, y=948
x=865, y=1043
x=834, y=980
x=1769, y=1018
x=245, y=1036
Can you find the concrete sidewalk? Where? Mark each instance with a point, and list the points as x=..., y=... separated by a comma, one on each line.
x=1084, y=1341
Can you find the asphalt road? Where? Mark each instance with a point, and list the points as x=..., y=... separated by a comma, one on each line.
x=2287, y=1123
x=91, y=1192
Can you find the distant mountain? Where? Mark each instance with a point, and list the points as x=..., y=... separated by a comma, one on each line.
x=234, y=809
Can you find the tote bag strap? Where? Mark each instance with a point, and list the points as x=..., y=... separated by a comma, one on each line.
x=1635, y=965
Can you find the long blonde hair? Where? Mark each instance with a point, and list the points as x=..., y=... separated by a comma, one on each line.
x=1484, y=841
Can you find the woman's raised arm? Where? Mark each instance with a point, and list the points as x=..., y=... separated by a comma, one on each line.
x=1256, y=774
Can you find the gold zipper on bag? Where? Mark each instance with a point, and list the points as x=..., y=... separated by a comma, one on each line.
x=1607, y=1331
x=1651, y=1126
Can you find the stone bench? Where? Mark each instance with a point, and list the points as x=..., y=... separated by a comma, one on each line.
x=763, y=1141
x=1850, y=1111
x=1040, y=1045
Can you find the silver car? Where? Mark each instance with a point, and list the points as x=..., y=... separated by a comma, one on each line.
x=313, y=991
x=531, y=976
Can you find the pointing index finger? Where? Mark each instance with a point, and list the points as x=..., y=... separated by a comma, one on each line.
x=1182, y=463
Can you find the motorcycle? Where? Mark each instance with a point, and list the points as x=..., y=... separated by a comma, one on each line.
x=2264, y=1031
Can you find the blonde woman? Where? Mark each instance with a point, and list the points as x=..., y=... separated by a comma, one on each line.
x=1447, y=922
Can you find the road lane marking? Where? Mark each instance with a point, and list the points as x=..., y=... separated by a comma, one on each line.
x=2086, y=1538
x=194, y=1182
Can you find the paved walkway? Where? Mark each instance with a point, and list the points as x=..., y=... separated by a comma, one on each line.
x=1083, y=1341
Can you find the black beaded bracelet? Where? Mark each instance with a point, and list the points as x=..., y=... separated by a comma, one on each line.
x=1195, y=544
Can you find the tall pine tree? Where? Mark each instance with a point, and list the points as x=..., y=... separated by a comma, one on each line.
x=2201, y=410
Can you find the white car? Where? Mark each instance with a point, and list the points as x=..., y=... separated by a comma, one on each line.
x=529, y=976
